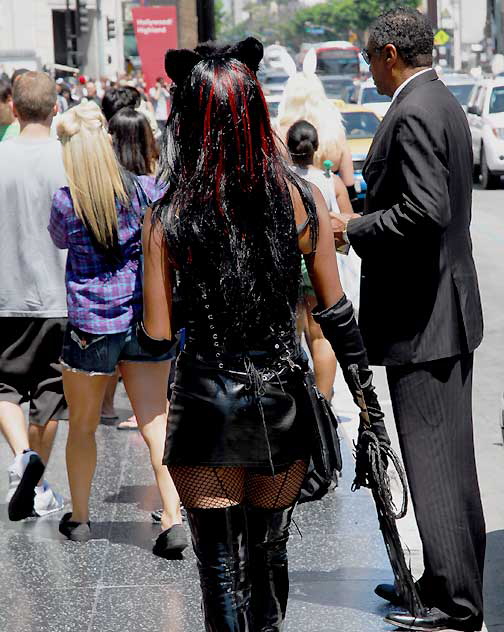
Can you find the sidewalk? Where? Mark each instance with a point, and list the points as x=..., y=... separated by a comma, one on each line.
x=114, y=582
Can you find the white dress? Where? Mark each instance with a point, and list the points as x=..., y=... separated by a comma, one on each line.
x=348, y=265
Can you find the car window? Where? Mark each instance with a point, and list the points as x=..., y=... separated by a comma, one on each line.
x=496, y=100
x=337, y=88
x=461, y=92
x=338, y=62
x=360, y=124
x=370, y=95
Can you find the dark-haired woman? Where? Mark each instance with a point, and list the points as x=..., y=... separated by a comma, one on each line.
x=134, y=142
x=303, y=142
x=235, y=226
x=137, y=152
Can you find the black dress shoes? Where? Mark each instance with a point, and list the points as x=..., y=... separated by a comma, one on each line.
x=432, y=620
x=388, y=592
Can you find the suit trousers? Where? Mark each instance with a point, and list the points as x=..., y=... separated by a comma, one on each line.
x=432, y=405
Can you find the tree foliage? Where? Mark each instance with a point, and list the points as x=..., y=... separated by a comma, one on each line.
x=339, y=18
x=220, y=16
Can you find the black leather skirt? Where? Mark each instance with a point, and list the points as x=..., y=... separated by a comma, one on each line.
x=241, y=410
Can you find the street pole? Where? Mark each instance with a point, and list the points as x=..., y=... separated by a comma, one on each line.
x=457, y=35
x=206, y=20
x=432, y=12
x=99, y=37
x=68, y=38
x=499, y=16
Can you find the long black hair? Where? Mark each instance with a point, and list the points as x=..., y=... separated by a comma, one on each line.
x=133, y=141
x=228, y=213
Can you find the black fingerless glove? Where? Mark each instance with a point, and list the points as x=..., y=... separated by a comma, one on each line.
x=154, y=346
x=340, y=328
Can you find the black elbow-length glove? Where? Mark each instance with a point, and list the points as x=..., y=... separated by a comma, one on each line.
x=339, y=326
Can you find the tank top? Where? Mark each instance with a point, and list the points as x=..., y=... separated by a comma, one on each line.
x=324, y=182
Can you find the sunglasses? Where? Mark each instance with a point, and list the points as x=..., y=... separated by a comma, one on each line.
x=366, y=54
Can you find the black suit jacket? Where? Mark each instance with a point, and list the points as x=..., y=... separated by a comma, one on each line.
x=419, y=291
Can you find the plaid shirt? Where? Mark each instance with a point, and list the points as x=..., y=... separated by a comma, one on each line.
x=102, y=297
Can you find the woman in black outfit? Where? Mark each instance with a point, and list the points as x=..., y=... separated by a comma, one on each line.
x=234, y=224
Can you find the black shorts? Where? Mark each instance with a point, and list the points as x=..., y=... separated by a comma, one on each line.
x=29, y=365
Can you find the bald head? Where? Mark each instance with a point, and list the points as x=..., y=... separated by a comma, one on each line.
x=34, y=97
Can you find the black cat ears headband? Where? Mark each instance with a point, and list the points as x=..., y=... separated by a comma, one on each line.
x=179, y=63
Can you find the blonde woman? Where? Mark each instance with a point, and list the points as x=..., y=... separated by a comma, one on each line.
x=98, y=218
x=304, y=98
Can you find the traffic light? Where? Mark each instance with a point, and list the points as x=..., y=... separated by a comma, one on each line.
x=111, y=33
x=82, y=17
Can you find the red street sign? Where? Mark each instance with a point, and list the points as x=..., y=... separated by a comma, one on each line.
x=155, y=31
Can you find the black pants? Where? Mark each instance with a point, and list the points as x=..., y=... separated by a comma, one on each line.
x=432, y=405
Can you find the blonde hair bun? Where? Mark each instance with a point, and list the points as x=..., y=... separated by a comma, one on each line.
x=83, y=117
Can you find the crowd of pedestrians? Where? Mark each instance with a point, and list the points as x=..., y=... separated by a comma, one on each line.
x=113, y=243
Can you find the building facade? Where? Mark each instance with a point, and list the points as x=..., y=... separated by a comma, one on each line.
x=48, y=34
x=38, y=34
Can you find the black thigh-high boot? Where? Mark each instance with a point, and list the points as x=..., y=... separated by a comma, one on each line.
x=269, y=572
x=219, y=538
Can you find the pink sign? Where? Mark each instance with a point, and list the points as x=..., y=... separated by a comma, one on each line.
x=155, y=31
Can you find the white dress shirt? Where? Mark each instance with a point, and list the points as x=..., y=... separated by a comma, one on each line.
x=405, y=83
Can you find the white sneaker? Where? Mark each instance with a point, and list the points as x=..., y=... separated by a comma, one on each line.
x=47, y=500
x=14, y=480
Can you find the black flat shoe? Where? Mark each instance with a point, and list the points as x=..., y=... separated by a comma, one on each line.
x=75, y=531
x=432, y=620
x=171, y=542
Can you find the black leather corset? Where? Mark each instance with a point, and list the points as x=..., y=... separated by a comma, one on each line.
x=212, y=326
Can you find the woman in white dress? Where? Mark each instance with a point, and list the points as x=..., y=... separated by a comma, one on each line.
x=303, y=143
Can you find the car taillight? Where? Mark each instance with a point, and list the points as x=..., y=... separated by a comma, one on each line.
x=499, y=132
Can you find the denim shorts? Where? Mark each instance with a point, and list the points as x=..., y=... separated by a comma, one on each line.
x=99, y=354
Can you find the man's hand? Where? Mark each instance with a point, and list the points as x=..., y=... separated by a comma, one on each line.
x=339, y=223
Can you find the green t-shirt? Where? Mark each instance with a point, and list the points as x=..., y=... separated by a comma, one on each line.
x=9, y=131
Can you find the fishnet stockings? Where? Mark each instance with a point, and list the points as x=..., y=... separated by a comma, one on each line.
x=219, y=487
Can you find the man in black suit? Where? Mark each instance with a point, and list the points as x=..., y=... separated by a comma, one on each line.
x=420, y=311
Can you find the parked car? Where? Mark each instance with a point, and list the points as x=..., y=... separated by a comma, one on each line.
x=460, y=86
x=485, y=113
x=366, y=94
x=360, y=125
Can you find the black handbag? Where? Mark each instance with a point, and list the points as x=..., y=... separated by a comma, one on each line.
x=326, y=462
